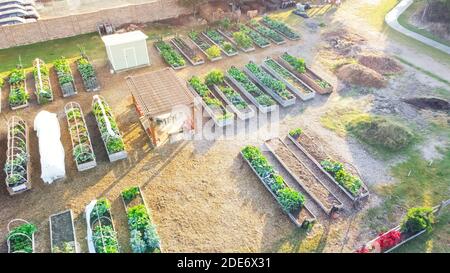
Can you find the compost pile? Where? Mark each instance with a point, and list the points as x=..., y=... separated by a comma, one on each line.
x=429, y=103
x=356, y=74
x=344, y=42
x=380, y=63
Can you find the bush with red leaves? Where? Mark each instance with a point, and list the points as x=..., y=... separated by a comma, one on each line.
x=389, y=240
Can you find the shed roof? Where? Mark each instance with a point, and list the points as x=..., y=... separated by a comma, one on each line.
x=123, y=38
x=157, y=92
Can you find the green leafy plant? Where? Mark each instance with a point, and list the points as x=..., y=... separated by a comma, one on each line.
x=285, y=74
x=214, y=77
x=18, y=95
x=350, y=182
x=105, y=239
x=267, y=32
x=296, y=132
x=281, y=27
x=63, y=70
x=171, y=57
x=255, y=36
x=130, y=193
x=144, y=238
x=290, y=199
x=220, y=40
x=113, y=144
x=417, y=219
x=298, y=63
x=213, y=52
x=269, y=81
x=43, y=87
x=20, y=238
x=242, y=40
x=250, y=87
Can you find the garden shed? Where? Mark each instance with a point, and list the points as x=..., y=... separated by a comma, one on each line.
x=164, y=105
x=127, y=50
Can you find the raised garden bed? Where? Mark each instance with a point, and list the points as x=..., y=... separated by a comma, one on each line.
x=192, y=55
x=112, y=139
x=101, y=233
x=88, y=74
x=292, y=202
x=83, y=153
x=208, y=48
x=143, y=235
x=18, y=94
x=415, y=223
x=217, y=81
x=21, y=238
x=65, y=77
x=212, y=105
x=216, y=38
x=304, y=176
x=264, y=102
x=62, y=233
x=274, y=36
x=281, y=28
x=239, y=39
x=42, y=83
x=355, y=189
x=271, y=85
x=17, y=166
x=296, y=85
x=297, y=67
x=257, y=38
x=170, y=56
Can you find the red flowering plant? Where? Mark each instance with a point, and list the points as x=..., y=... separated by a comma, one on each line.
x=363, y=249
x=389, y=240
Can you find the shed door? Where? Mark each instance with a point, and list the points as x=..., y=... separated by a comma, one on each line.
x=130, y=57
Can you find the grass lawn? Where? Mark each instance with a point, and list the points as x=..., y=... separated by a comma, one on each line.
x=405, y=22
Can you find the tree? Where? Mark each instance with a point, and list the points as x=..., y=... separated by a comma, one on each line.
x=192, y=3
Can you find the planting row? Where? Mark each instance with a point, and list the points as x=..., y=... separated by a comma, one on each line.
x=291, y=201
x=101, y=232
x=19, y=95
x=17, y=167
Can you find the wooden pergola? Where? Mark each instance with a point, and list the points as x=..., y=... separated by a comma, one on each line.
x=157, y=94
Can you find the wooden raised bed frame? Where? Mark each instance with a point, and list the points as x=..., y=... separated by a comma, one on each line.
x=267, y=37
x=145, y=205
x=88, y=165
x=11, y=153
x=173, y=41
x=232, y=41
x=209, y=110
x=224, y=52
x=328, y=210
x=92, y=79
x=26, y=92
x=364, y=191
x=37, y=82
x=303, y=95
x=239, y=113
x=159, y=51
x=308, y=77
x=273, y=94
x=308, y=216
x=74, y=236
x=281, y=33
x=200, y=36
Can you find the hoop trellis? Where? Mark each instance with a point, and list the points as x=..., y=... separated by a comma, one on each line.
x=107, y=217
x=19, y=234
x=17, y=157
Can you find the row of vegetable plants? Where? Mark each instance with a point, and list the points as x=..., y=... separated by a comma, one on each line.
x=192, y=55
x=213, y=106
x=417, y=221
x=274, y=36
x=102, y=235
x=83, y=153
x=108, y=128
x=43, y=86
x=295, y=84
x=276, y=88
x=17, y=166
x=21, y=238
x=291, y=201
x=65, y=77
x=238, y=38
x=208, y=48
x=215, y=37
x=216, y=80
x=170, y=55
x=281, y=28
x=298, y=67
x=263, y=101
x=257, y=38
x=349, y=183
x=18, y=94
x=88, y=74
x=143, y=235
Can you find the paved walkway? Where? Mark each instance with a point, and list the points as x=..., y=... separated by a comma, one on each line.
x=392, y=20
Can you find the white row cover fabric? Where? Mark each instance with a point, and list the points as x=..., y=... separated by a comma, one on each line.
x=90, y=239
x=51, y=149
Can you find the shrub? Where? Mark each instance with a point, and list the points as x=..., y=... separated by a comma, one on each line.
x=242, y=39
x=214, y=77
x=213, y=52
x=389, y=240
x=228, y=47
x=417, y=219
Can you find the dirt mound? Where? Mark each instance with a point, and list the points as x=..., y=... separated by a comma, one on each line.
x=356, y=74
x=380, y=63
x=381, y=132
x=344, y=42
x=429, y=103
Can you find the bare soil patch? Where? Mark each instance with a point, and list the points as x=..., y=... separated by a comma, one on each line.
x=380, y=63
x=429, y=103
x=356, y=74
x=344, y=42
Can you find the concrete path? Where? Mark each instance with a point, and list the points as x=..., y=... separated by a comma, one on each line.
x=392, y=20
